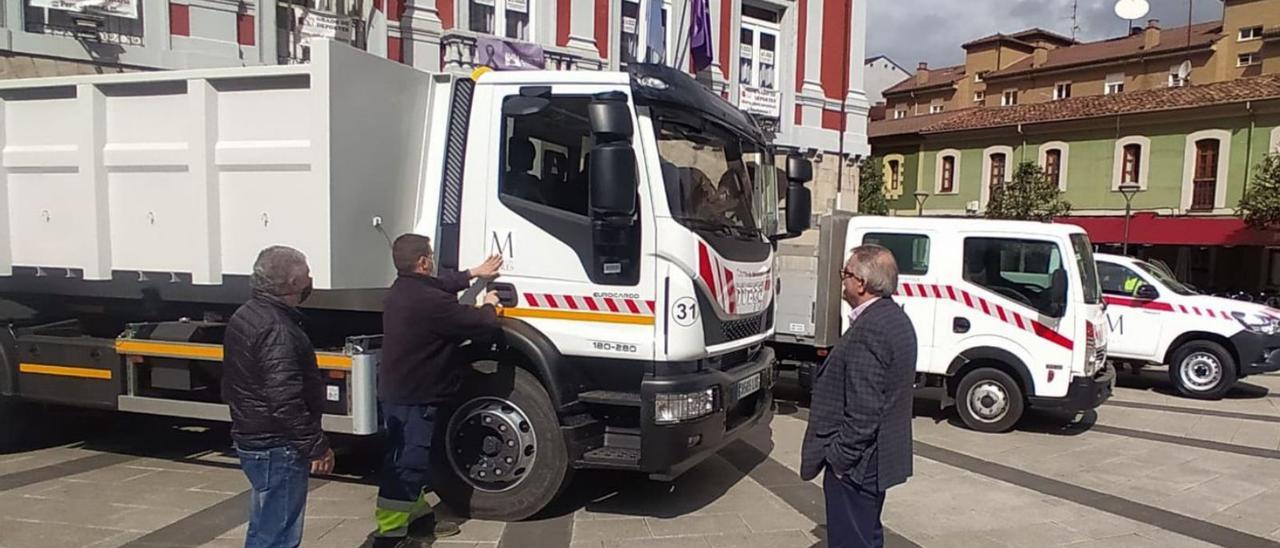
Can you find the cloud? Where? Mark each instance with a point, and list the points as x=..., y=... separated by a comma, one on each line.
x=910, y=31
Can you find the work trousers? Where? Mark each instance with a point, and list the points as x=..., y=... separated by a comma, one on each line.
x=406, y=471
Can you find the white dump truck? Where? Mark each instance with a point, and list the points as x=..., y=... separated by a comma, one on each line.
x=638, y=240
x=1008, y=314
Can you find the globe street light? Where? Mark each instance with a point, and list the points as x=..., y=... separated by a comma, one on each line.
x=1128, y=190
x=921, y=197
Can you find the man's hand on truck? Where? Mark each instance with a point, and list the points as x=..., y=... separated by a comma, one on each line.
x=488, y=269
x=491, y=299
x=323, y=465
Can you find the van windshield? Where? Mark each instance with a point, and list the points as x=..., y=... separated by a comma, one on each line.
x=1088, y=269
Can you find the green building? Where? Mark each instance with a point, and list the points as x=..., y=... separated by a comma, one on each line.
x=1185, y=153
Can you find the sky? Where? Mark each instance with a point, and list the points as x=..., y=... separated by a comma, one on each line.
x=911, y=31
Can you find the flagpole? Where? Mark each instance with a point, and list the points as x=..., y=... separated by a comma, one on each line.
x=844, y=97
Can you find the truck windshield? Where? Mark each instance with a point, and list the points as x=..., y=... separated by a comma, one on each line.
x=716, y=180
x=1088, y=269
x=1165, y=278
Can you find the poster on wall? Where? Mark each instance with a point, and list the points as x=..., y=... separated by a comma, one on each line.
x=116, y=8
x=313, y=24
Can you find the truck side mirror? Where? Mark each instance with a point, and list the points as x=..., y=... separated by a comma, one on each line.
x=610, y=117
x=613, y=180
x=1146, y=292
x=799, y=169
x=799, y=209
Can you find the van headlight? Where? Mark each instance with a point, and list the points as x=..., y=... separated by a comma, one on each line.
x=673, y=408
x=1261, y=324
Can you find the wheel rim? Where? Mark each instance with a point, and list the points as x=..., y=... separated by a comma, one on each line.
x=491, y=444
x=988, y=401
x=1200, y=371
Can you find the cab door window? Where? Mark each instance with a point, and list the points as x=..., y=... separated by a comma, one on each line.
x=910, y=251
x=1028, y=272
x=545, y=156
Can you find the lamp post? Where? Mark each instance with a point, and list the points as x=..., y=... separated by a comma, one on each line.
x=1128, y=190
x=921, y=198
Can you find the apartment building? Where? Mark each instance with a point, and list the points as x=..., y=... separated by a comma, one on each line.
x=1176, y=118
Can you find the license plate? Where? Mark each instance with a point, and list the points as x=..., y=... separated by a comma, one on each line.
x=748, y=386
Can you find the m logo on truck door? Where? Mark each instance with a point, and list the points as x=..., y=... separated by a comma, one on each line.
x=502, y=245
x=1115, y=324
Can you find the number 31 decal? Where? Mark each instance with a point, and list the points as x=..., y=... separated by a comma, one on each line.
x=685, y=311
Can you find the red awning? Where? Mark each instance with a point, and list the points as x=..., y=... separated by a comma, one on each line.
x=1151, y=229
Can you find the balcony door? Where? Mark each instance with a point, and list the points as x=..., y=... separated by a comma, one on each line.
x=1205, y=181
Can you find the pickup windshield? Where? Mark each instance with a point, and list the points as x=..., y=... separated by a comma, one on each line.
x=1165, y=278
x=715, y=180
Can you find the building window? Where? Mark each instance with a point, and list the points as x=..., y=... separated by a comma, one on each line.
x=947, y=182
x=1115, y=84
x=1132, y=164
x=1248, y=60
x=633, y=24
x=1205, y=181
x=1062, y=90
x=1175, y=78
x=1250, y=33
x=998, y=167
x=1053, y=166
x=895, y=174
x=512, y=16
x=899, y=114
x=1009, y=98
x=936, y=108
x=758, y=61
x=979, y=96
x=977, y=77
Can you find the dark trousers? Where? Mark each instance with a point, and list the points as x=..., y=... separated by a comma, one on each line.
x=853, y=510
x=279, y=498
x=406, y=471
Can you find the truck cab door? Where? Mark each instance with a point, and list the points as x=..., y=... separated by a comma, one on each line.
x=1133, y=324
x=532, y=164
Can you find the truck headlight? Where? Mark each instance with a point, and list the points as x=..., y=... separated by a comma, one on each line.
x=672, y=408
x=1258, y=323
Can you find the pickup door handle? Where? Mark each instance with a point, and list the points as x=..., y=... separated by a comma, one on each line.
x=507, y=295
x=960, y=325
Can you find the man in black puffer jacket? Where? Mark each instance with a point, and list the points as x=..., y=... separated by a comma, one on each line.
x=275, y=391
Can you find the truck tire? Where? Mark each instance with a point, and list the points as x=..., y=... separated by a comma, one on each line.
x=501, y=455
x=989, y=400
x=1203, y=370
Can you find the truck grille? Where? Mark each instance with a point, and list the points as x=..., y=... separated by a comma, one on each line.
x=741, y=329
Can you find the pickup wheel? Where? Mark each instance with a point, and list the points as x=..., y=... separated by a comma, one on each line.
x=500, y=455
x=989, y=400
x=1202, y=370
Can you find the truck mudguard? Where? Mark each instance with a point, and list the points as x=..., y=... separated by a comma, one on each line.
x=543, y=360
x=992, y=353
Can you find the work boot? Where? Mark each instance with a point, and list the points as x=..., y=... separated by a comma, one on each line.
x=429, y=527
x=394, y=542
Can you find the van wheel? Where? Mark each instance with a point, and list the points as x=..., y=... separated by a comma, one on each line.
x=989, y=400
x=1202, y=370
x=501, y=455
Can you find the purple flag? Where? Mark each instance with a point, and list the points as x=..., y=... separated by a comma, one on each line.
x=504, y=55
x=700, y=35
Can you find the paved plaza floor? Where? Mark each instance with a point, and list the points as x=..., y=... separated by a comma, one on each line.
x=1147, y=469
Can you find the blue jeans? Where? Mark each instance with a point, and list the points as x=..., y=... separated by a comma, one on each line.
x=279, y=479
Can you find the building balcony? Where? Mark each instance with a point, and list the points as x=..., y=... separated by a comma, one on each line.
x=461, y=51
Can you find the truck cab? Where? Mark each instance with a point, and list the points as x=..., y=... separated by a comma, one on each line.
x=1007, y=314
x=1208, y=342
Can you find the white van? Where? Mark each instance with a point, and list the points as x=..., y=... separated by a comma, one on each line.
x=1208, y=342
x=1007, y=314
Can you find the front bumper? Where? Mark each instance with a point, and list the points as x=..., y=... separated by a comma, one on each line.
x=1258, y=353
x=668, y=450
x=1085, y=393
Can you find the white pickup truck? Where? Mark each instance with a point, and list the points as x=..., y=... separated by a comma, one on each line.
x=1208, y=342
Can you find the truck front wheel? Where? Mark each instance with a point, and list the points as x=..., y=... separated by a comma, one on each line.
x=989, y=400
x=500, y=455
x=1202, y=370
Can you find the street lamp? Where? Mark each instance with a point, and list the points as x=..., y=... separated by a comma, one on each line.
x=921, y=198
x=1128, y=189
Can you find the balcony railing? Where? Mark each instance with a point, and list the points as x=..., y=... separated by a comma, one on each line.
x=459, y=51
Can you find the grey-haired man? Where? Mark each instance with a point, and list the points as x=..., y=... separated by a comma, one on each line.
x=276, y=394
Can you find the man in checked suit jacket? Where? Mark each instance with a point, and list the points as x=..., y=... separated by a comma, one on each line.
x=860, y=420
